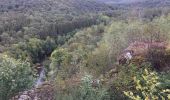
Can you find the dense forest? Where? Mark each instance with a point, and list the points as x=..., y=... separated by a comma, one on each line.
x=84, y=49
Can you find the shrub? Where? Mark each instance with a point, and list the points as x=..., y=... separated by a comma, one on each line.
x=60, y=59
x=88, y=92
x=15, y=76
x=85, y=92
x=148, y=87
x=157, y=57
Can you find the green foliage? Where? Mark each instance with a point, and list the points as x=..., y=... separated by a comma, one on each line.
x=148, y=88
x=96, y=49
x=98, y=61
x=15, y=76
x=59, y=57
x=73, y=56
x=86, y=91
x=60, y=63
x=31, y=30
x=35, y=50
x=47, y=18
x=123, y=79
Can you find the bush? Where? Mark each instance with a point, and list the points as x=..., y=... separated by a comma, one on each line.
x=15, y=76
x=60, y=59
x=122, y=80
x=35, y=50
x=98, y=61
x=85, y=92
x=148, y=87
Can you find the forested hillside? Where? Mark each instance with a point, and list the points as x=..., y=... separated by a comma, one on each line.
x=21, y=20
x=84, y=50
x=48, y=14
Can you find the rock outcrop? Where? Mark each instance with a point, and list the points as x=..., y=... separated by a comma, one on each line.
x=43, y=92
x=157, y=53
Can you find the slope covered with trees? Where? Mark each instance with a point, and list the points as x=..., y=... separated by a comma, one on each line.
x=21, y=20
x=84, y=49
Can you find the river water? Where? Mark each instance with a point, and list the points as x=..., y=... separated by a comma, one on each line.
x=41, y=77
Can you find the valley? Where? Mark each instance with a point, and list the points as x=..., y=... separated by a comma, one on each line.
x=84, y=49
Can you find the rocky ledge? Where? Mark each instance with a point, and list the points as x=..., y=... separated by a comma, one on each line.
x=42, y=92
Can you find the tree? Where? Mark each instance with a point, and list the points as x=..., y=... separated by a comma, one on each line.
x=15, y=76
x=60, y=58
